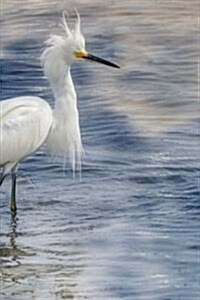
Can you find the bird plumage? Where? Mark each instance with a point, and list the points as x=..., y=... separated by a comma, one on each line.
x=24, y=126
x=64, y=138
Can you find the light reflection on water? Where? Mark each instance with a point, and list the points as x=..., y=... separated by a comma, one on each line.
x=129, y=228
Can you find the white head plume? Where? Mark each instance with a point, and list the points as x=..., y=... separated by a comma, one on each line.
x=77, y=27
x=65, y=26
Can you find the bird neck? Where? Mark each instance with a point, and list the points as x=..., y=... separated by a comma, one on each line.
x=65, y=135
x=63, y=89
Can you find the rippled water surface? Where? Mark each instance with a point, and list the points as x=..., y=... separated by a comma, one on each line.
x=129, y=229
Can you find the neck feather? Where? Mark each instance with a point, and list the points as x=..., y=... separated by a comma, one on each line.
x=64, y=138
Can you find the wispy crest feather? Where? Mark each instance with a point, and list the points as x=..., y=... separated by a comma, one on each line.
x=77, y=27
x=65, y=26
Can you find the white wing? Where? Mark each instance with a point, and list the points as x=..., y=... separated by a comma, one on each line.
x=24, y=125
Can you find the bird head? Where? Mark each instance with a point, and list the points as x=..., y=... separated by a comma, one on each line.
x=62, y=51
x=74, y=45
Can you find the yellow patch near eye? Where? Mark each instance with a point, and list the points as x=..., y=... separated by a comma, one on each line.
x=81, y=53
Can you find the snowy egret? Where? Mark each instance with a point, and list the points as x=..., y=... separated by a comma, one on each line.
x=27, y=122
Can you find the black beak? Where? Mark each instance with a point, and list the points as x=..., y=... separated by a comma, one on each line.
x=100, y=60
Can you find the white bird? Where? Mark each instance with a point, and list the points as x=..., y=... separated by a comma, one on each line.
x=26, y=123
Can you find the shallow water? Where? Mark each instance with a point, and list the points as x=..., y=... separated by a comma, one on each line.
x=129, y=229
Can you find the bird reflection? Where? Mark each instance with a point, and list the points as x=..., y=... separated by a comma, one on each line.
x=10, y=254
x=13, y=231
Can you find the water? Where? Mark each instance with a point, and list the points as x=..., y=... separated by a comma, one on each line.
x=130, y=228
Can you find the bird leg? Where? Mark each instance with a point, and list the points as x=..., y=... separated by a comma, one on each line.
x=13, y=206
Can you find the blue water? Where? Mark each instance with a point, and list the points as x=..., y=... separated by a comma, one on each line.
x=129, y=228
